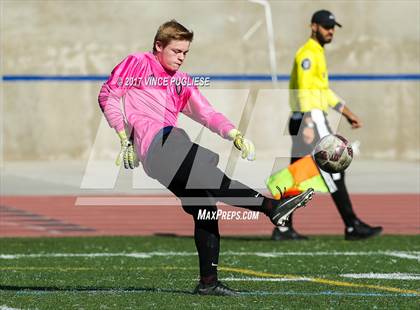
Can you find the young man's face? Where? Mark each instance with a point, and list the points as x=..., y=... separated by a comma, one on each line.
x=172, y=55
x=323, y=34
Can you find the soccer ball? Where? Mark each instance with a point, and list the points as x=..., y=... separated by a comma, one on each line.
x=333, y=153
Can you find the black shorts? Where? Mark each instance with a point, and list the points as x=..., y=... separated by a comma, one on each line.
x=178, y=163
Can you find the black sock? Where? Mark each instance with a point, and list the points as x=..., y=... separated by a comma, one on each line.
x=267, y=205
x=207, y=242
x=208, y=280
x=233, y=188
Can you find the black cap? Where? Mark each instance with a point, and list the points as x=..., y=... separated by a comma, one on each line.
x=324, y=18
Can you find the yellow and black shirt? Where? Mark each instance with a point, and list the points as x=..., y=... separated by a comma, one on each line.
x=309, y=80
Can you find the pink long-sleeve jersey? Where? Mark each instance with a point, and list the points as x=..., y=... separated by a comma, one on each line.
x=152, y=100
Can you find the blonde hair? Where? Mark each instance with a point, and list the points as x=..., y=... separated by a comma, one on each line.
x=171, y=30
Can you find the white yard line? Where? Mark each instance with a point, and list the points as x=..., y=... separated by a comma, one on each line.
x=413, y=255
x=3, y=307
x=387, y=276
x=251, y=279
x=398, y=254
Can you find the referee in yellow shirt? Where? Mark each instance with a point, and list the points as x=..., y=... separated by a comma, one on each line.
x=310, y=100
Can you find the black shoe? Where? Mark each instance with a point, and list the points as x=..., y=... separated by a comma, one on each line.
x=216, y=289
x=360, y=231
x=286, y=233
x=280, y=213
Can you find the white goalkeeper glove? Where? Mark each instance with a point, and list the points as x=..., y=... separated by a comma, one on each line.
x=246, y=147
x=127, y=153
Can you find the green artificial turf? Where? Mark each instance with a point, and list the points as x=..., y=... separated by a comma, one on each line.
x=161, y=272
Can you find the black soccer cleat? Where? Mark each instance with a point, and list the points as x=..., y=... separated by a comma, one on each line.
x=285, y=206
x=360, y=231
x=286, y=233
x=215, y=289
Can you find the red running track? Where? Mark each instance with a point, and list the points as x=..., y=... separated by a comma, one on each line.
x=60, y=216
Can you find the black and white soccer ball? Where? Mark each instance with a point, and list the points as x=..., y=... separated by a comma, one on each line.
x=333, y=154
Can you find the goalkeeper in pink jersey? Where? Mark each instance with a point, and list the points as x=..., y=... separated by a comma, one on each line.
x=154, y=92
